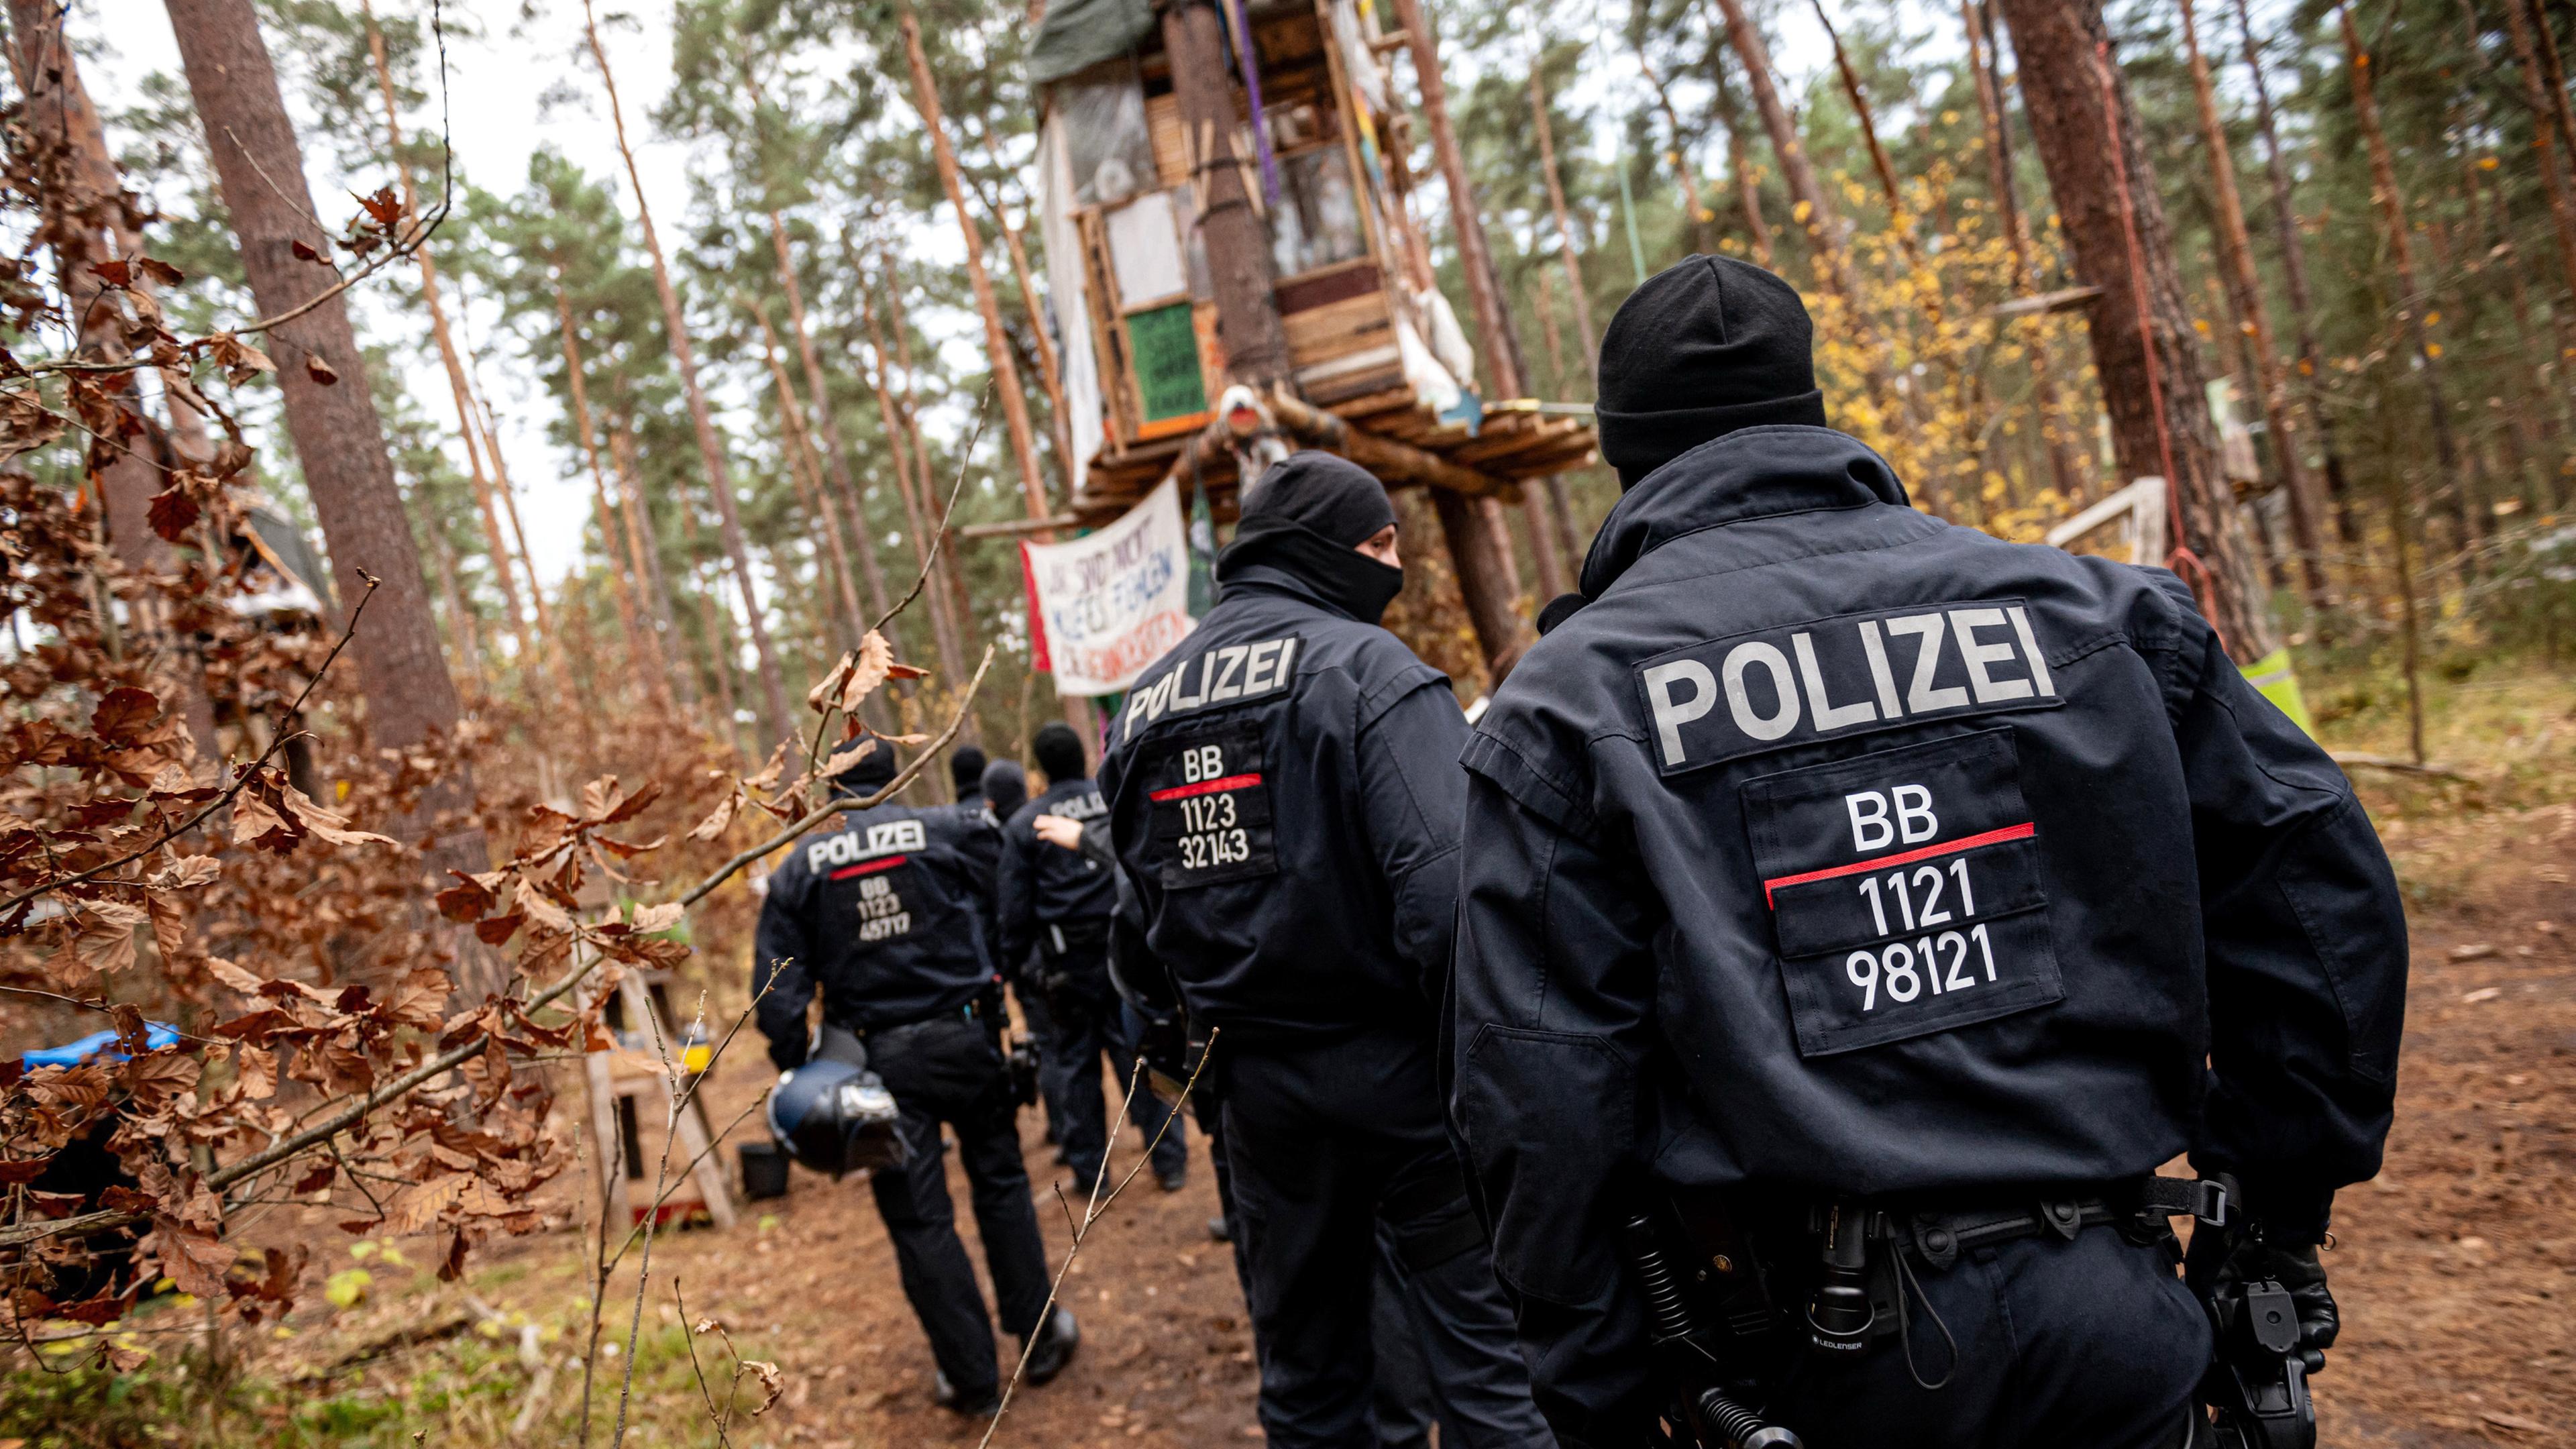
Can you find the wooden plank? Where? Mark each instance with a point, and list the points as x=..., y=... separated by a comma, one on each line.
x=1353, y=409
x=1353, y=324
x=1324, y=394
x=1171, y=152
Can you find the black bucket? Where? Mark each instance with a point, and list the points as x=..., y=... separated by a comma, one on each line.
x=764, y=1170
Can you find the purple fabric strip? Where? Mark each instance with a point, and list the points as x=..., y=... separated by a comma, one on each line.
x=1252, y=90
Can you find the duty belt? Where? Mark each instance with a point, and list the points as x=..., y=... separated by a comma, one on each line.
x=1937, y=1238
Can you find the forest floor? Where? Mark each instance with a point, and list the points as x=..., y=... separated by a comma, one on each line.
x=2455, y=1268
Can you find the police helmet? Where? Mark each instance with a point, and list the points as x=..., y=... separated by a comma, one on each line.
x=836, y=1118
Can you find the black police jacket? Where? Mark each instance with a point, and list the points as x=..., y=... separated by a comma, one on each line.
x=882, y=915
x=1284, y=796
x=1045, y=893
x=981, y=843
x=1835, y=849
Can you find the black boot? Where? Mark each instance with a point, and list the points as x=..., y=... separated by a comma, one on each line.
x=977, y=1406
x=1057, y=1338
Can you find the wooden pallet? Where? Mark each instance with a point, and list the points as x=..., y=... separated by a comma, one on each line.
x=630, y=1099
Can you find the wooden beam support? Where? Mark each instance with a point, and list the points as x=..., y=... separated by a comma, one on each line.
x=1396, y=464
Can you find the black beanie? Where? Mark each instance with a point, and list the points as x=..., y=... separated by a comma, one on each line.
x=966, y=767
x=868, y=773
x=1704, y=348
x=1058, y=751
x=1006, y=788
x=1306, y=517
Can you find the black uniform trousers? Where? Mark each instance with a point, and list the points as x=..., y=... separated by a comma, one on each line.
x=1322, y=1143
x=2092, y=1342
x=1088, y=1023
x=947, y=1070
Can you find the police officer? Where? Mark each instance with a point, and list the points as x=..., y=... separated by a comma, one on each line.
x=879, y=913
x=1906, y=897
x=1284, y=797
x=1055, y=909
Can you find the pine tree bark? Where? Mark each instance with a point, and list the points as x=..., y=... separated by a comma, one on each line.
x=2245, y=296
x=2067, y=472
x=809, y=474
x=1694, y=226
x=777, y=721
x=836, y=453
x=2412, y=300
x=1487, y=574
x=2294, y=282
x=644, y=541
x=339, y=440
x=1822, y=220
x=2144, y=350
x=84, y=206
x=1574, y=288
x=898, y=441
x=2553, y=174
x=1238, y=245
x=1739, y=161
x=947, y=579
x=643, y=645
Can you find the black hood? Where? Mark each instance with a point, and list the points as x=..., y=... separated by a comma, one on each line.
x=1752, y=473
x=1303, y=520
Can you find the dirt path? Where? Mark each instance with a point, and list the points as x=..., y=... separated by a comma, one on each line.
x=2456, y=1268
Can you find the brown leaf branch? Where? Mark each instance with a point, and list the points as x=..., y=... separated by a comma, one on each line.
x=230, y=792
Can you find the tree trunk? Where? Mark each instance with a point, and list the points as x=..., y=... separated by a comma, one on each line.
x=2294, y=281
x=477, y=443
x=809, y=472
x=84, y=206
x=1694, y=225
x=1238, y=245
x=1582, y=300
x=778, y=721
x=340, y=442
x=2553, y=175
x=1050, y=369
x=1739, y=165
x=2411, y=298
x=1822, y=219
x=2557, y=73
x=2245, y=295
x=836, y=452
x=2066, y=467
x=643, y=641
x=2143, y=345
x=644, y=541
x=1486, y=572
x=997, y=346
x=951, y=658
x=1894, y=194
x=928, y=501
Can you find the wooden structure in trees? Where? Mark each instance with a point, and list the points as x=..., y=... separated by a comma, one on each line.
x=1378, y=368
x=630, y=1100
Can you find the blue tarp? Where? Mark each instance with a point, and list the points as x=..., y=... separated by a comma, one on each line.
x=71, y=1054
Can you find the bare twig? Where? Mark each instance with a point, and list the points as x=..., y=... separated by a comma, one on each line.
x=226, y=797
x=1099, y=1205
x=817, y=816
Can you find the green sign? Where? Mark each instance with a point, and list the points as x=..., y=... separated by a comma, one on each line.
x=1166, y=348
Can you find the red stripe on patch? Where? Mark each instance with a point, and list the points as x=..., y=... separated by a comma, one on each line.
x=2023, y=831
x=1205, y=787
x=869, y=867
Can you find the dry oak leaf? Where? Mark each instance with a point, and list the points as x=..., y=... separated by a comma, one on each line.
x=844, y=759
x=121, y=717
x=186, y=873
x=471, y=897
x=539, y=907
x=719, y=819
x=329, y=824
x=653, y=920
x=257, y=1073
x=157, y=1079
x=196, y=1261
x=416, y=1207
x=826, y=691
x=872, y=661
x=240, y=360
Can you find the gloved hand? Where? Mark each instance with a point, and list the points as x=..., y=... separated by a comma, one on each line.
x=2219, y=1259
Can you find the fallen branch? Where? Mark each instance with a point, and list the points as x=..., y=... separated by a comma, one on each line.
x=2394, y=765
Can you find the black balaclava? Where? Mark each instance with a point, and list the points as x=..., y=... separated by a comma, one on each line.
x=868, y=775
x=966, y=768
x=1307, y=517
x=1058, y=751
x=1006, y=788
x=1704, y=348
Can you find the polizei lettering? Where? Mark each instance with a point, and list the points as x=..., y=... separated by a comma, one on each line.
x=1226, y=674
x=880, y=840
x=1847, y=675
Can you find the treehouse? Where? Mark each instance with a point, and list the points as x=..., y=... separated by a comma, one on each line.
x=1377, y=366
